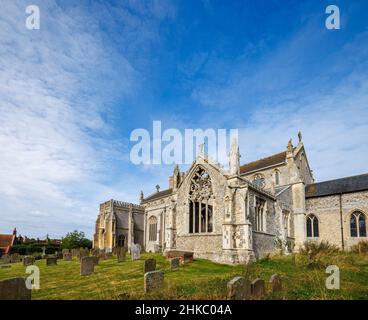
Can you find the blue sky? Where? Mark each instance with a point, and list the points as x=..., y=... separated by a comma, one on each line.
x=73, y=91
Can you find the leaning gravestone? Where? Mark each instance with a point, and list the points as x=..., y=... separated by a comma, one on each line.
x=149, y=265
x=28, y=260
x=14, y=289
x=238, y=289
x=174, y=263
x=67, y=256
x=121, y=254
x=275, y=282
x=153, y=280
x=87, y=266
x=258, y=288
x=135, y=251
x=51, y=261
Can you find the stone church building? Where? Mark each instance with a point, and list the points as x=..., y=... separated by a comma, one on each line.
x=245, y=212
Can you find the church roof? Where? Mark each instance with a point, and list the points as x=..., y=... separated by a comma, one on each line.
x=263, y=163
x=332, y=187
x=158, y=195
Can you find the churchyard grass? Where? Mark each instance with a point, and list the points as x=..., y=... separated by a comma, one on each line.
x=200, y=279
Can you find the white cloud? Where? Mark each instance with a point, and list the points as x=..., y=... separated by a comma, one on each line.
x=56, y=85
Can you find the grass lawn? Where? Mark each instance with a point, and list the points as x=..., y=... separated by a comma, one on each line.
x=200, y=279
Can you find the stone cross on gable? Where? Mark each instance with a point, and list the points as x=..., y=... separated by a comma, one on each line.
x=157, y=187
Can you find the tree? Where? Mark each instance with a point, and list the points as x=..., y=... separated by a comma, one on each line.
x=76, y=239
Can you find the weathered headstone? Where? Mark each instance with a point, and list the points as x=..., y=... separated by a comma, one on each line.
x=59, y=255
x=108, y=255
x=14, y=289
x=149, y=265
x=64, y=251
x=153, y=280
x=258, y=288
x=15, y=258
x=75, y=252
x=51, y=261
x=135, y=251
x=28, y=260
x=5, y=258
x=238, y=288
x=121, y=254
x=102, y=255
x=87, y=266
x=275, y=282
x=67, y=256
x=174, y=263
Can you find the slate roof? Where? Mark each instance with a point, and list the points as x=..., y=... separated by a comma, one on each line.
x=263, y=163
x=332, y=187
x=158, y=195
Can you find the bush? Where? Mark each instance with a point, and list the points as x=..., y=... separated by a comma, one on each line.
x=76, y=239
x=360, y=247
x=312, y=253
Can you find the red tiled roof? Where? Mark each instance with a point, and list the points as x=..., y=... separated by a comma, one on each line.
x=6, y=242
x=263, y=163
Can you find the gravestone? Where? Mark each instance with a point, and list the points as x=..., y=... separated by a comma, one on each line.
x=44, y=252
x=258, y=288
x=149, y=265
x=135, y=251
x=238, y=289
x=75, y=252
x=59, y=255
x=14, y=289
x=108, y=255
x=67, y=256
x=153, y=280
x=14, y=258
x=174, y=263
x=64, y=251
x=51, y=261
x=121, y=254
x=5, y=258
x=87, y=266
x=28, y=260
x=275, y=282
x=188, y=257
x=96, y=260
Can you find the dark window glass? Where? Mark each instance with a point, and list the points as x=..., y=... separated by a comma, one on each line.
x=353, y=226
x=309, y=227
x=362, y=226
x=209, y=218
x=190, y=217
x=315, y=227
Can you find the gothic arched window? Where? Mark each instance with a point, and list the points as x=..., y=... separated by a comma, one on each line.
x=259, y=214
x=358, y=226
x=121, y=240
x=152, y=229
x=259, y=181
x=312, y=226
x=200, y=203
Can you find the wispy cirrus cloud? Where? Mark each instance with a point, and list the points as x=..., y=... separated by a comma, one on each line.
x=58, y=86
